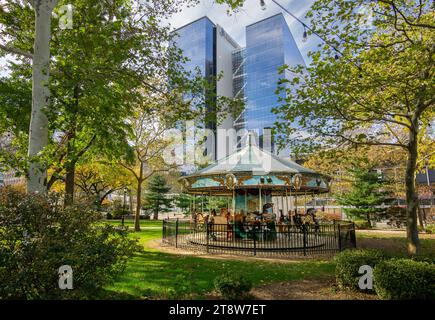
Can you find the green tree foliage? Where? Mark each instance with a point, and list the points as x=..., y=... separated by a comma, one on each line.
x=156, y=196
x=99, y=69
x=183, y=201
x=38, y=236
x=371, y=83
x=114, y=59
x=367, y=194
x=96, y=181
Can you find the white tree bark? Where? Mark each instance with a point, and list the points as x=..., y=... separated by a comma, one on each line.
x=38, y=131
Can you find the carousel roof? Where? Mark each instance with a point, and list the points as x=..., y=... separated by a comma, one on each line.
x=252, y=167
x=252, y=159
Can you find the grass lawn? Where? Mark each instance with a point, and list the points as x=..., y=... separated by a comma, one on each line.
x=130, y=223
x=394, y=242
x=153, y=274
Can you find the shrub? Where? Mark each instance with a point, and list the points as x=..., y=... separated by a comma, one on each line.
x=348, y=263
x=430, y=228
x=404, y=279
x=37, y=236
x=118, y=213
x=231, y=286
x=362, y=225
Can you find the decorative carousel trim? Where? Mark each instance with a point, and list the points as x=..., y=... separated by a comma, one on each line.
x=286, y=179
x=297, y=181
x=242, y=179
x=220, y=180
x=231, y=181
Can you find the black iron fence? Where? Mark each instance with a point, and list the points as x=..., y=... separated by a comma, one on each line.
x=260, y=239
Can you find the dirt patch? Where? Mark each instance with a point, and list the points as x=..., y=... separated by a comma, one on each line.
x=158, y=245
x=387, y=245
x=393, y=241
x=323, y=289
x=391, y=233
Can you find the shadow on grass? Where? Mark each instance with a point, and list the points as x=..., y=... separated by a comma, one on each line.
x=396, y=245
x=157, y=275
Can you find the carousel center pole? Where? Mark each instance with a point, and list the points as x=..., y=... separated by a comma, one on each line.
x=296, y=203
x=282, y=204
x=286, y=202
x=305, y=202
x=234, y=202
x=291, y=206
x=246, y=201
x=259, y=203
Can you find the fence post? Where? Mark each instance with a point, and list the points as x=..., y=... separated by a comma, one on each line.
x=176, y=233
x=254, y=230
x=353, y=235
x=304, y=237
x=339, y=237
x=207, y=235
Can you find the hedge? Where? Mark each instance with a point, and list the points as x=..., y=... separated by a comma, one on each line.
x=348, y=263
x=398, y=279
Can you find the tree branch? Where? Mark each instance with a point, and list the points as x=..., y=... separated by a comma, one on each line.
x=16, y=51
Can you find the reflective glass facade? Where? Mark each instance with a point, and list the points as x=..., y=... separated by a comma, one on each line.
x=269, y=45
x=197, y=40
x=238, y=58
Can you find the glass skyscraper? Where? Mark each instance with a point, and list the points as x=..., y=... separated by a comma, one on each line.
x=197, y=40
x=250, y=73
x=208, y=49
x=269, y=45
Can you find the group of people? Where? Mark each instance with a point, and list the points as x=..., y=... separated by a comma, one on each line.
x=256, y=218
x=247, y=226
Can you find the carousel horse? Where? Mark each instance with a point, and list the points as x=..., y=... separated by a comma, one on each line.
x=239, y=229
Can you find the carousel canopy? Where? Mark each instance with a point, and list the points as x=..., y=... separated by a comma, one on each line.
x=252, y=167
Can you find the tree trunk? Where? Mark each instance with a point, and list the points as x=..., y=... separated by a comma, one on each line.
x=156, y=215
x=130, y=199
x=38, y=129
x=138, y=200
x=411, y=195
x=69, y=183
x=368, y=220
x=71, y=157
x=138, y=205
x=420, y=218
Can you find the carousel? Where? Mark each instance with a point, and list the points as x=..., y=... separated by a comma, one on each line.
x=260, y=211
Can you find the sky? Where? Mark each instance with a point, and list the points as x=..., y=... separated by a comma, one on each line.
x=251, y=12
x=235, y=23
